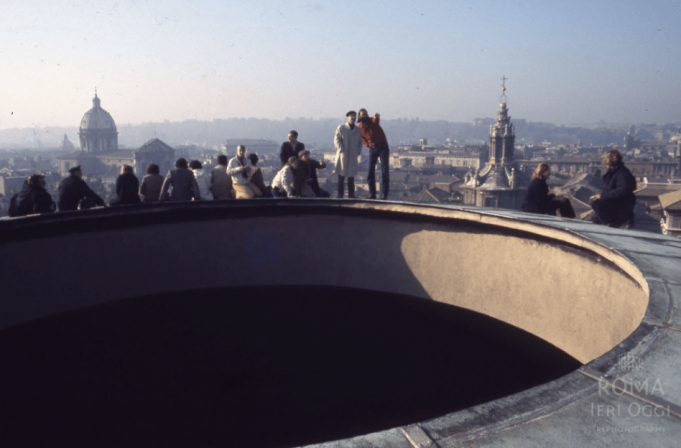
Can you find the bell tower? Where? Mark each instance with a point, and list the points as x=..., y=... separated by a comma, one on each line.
x=502, y=134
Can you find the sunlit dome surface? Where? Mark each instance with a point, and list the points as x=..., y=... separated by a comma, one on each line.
x=97, y=118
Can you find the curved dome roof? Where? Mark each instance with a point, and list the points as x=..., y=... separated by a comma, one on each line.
x=97, y=118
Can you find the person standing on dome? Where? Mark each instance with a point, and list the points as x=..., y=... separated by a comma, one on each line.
x=290, y=148
x=348, y=141
x=73, y=190
x=374, y=138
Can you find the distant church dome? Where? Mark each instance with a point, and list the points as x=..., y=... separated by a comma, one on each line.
x=676, y=137
x=97, y=118
x=97, y=130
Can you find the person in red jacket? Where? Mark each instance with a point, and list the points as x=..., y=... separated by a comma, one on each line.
x=374, y=138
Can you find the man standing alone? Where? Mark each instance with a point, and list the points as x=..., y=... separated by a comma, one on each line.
x=348, y=142
x=374, y=139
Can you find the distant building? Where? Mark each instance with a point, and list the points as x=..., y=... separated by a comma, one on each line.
x=671, y=209
x=501, y=184
x=11, y=185
x=99, y=154
x=258, y=146
x=676, y=142
x=154, y=151
x=66, y=144
x=98, y=151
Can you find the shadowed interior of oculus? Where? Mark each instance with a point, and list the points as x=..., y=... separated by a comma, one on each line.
x=256, y=367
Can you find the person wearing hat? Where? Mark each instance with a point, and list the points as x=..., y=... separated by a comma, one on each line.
x=348, y=141
x=73, y=190
x=32, y=199
x=290, y=148
x=306, y=181
x=374, y=139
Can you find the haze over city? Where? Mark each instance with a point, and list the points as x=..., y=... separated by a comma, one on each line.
x=566, y=63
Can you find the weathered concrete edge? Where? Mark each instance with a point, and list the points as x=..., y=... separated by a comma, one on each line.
x=643, y=338
x=557, y=394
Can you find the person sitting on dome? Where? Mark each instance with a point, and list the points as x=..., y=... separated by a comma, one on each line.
x=32, y=199
x=614, y=206
x=307, y=182
x=284, y=181
x=257, y=178
x=202, y=179
x=241, y=169
x=221, y=182
x=151, y=184
x=127, y=187
x=538, y=200
x=74, y=191
x=180, y=184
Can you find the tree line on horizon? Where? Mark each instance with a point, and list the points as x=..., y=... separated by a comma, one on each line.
x=319, y=133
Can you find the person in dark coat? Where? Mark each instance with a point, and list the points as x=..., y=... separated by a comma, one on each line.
x=538, y=200
x=306, y=183
x=615, y=205
x=73, y=190
x=127, y=187
x=183, y=183
x=291, y=148
x=32, y=199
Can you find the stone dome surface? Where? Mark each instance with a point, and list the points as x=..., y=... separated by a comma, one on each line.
x=97, y=118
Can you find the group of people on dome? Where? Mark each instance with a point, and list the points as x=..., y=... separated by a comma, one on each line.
x=238, y=178
x=613, y=207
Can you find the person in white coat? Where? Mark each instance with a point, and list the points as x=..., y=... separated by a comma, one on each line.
x=348, y=142
x=241, y=169
x=282, y=184
x=202, y=179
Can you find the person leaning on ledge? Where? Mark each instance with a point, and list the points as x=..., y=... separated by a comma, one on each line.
x=614, y=206
x=73, y=190
x=183, y=183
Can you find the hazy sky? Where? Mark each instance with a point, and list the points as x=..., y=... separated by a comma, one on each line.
x=566, y=62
